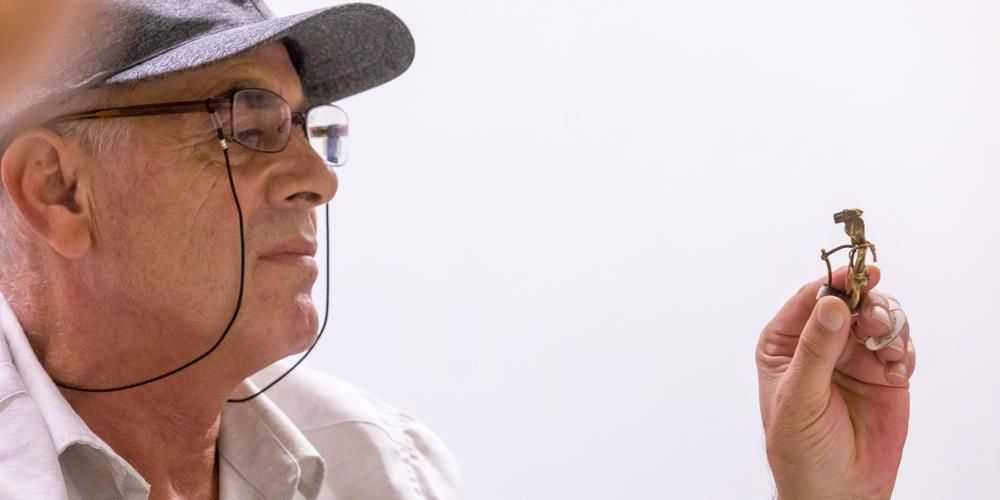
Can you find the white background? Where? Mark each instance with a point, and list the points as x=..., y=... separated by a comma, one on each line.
x=563, y=228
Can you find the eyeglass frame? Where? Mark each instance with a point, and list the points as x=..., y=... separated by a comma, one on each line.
x=211, y=106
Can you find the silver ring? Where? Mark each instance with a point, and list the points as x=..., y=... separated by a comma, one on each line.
x=898, y=322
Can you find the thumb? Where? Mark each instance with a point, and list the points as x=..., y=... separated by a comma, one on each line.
x=820, y=345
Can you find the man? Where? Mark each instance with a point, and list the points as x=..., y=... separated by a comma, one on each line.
x=136, y=235
x=155, y=257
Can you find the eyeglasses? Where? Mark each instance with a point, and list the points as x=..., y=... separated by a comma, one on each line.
x=259, y=120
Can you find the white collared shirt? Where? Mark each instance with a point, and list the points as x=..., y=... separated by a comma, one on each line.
x=311, y=436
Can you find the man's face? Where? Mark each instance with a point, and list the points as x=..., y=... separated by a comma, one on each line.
x=166, y=237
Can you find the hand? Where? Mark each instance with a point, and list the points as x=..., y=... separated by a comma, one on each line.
x=835, y=414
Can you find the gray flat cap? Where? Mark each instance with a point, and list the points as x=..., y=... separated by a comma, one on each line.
x=339, y=51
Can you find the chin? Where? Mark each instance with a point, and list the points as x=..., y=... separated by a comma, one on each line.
x=280, y=319
x=298, y=322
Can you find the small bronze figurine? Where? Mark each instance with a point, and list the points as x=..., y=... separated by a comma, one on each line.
x=857, y=274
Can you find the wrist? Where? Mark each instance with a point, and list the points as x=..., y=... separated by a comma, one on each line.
x=798, y=495
x=806, y=494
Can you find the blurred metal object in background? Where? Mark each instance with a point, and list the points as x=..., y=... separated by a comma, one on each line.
x=40, y=49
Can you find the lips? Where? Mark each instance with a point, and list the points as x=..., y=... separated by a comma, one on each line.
x=294, y=249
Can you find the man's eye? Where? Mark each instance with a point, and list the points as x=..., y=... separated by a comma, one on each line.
x=251, y=137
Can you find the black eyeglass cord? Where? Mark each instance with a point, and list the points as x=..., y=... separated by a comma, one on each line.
x=239, y=300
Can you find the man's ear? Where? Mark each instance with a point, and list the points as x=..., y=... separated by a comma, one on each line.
x=40, y=171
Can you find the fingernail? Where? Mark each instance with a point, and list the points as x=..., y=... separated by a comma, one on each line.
x=881, y=314
x=830, y=315
x=898, y=371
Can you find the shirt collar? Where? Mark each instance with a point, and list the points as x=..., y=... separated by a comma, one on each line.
x=258, y=428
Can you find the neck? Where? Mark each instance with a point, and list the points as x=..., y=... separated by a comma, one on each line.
x=167, y=430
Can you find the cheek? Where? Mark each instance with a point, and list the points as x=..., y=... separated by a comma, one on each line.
x=172, y=243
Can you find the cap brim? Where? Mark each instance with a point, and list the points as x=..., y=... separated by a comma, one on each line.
x=341, y=50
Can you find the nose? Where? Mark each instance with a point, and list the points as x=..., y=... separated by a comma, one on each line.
x=303, y=179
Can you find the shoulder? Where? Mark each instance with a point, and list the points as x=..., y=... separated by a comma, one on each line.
x=370, y=447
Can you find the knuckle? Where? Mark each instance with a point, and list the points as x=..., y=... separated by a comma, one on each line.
x=809, y=348
x=774, y=332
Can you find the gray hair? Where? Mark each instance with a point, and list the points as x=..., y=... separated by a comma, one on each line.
x=18, y=274
x=96, y=137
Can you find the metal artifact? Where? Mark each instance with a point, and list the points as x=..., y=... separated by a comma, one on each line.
x=857, y=275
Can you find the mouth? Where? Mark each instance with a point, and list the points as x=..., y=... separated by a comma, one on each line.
x=298, y=251
x=292, y=259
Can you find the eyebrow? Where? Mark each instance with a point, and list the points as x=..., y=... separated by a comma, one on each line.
x=255, y=83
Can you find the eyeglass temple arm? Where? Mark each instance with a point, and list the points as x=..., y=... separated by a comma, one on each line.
x=210, y=105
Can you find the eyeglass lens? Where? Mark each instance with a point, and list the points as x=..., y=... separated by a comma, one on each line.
x=263, y=121
x=327, y=129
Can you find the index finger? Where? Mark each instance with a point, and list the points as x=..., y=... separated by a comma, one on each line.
x=792, y=316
